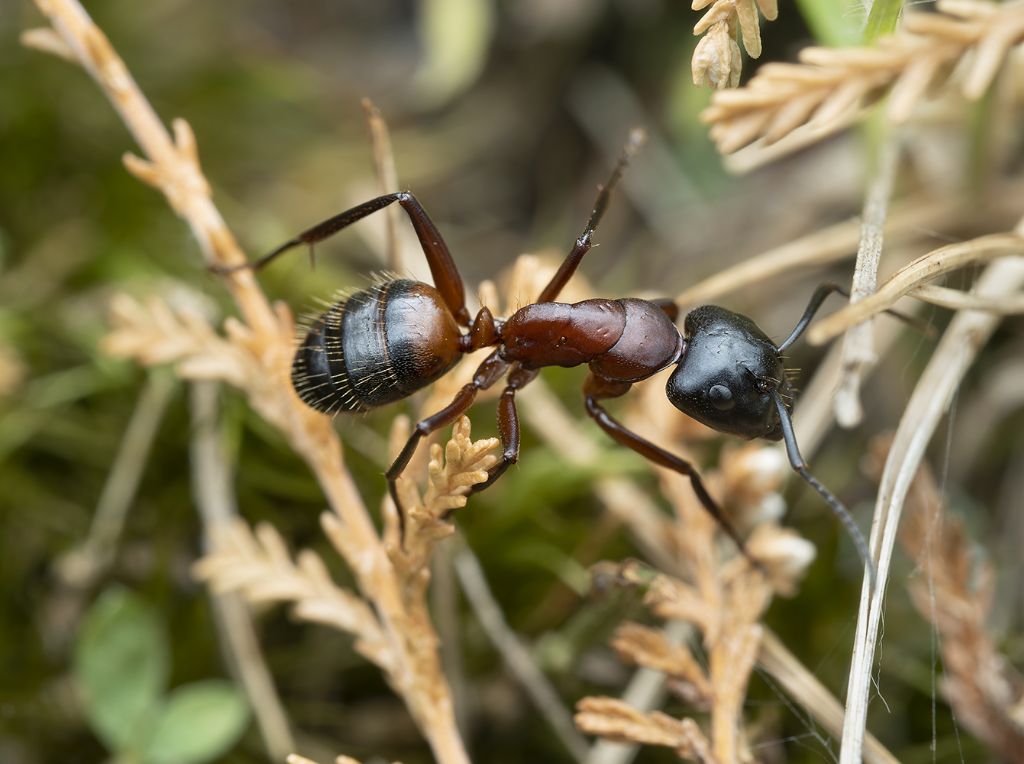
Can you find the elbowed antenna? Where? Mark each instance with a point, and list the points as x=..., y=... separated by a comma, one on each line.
x=838, y=509
x=823, y=291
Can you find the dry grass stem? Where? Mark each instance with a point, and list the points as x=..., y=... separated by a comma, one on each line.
x=81, y=566
x=963, y=339
x=717, y=61
x=516, y=655
x=255, y=355
x=917, y=273
x=259, y=566
x=956, y=299
x=828, y=88
x=839, y=241
x=651, y=648
x=858, y=344
x=213, y=492
x=954, y=590
x=646, y=691
x=784, y=667
x=387, y=175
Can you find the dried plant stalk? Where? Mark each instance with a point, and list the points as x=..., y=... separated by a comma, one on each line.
x=956, y=299
x=915, y=274
x=963, y=339
x=827, y=89
x=216, y=504
x=717, y=62
x=858, y=355
x=387, y=175
x=839, y=241
x=255, y=355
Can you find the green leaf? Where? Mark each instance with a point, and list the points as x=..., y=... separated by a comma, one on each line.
x=200, y=722
x=120, y=665
x=831, y=22
x=882, y=19
x=456, y=36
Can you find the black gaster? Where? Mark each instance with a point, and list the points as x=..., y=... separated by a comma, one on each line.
x=378, y=346
x=368, y=369
x=318, y=371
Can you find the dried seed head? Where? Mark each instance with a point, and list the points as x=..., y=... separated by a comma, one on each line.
x=717, y=62
x=783, y=554
x=752, y=476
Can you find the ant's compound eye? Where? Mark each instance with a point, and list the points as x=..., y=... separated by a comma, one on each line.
x=721, y=397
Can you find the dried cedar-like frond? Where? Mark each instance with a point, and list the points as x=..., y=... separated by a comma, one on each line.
x=826, y=90
x=956, y=595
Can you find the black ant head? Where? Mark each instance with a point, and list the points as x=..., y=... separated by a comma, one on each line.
x=725, y=373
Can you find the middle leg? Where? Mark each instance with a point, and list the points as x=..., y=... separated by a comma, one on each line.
x=584, y=242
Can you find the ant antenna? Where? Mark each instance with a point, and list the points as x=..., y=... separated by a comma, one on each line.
x=822, y=292
x=838, y=509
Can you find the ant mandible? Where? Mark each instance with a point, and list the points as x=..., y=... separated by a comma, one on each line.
x=381, y=344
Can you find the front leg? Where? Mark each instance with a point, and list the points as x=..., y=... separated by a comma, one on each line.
x=585, y=241
x=596, y=388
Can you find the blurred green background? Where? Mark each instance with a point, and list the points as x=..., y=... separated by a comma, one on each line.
x=504, y=117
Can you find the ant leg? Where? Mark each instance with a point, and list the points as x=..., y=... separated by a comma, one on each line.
x=594, y=389
x=583, y=243
x=669, y=307
x=819, y=296
x=796, y=460
x=442, y=268
x=487, y=373
x=508, y=426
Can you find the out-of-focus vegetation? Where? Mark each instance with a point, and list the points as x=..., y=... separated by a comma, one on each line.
x=504, y=116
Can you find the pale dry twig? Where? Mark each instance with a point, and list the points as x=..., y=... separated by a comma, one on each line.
x=858, y=355
x=915, y=274
x=215, y=500
x=963, y=339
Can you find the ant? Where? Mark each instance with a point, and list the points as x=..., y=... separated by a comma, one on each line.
x=383, y=343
